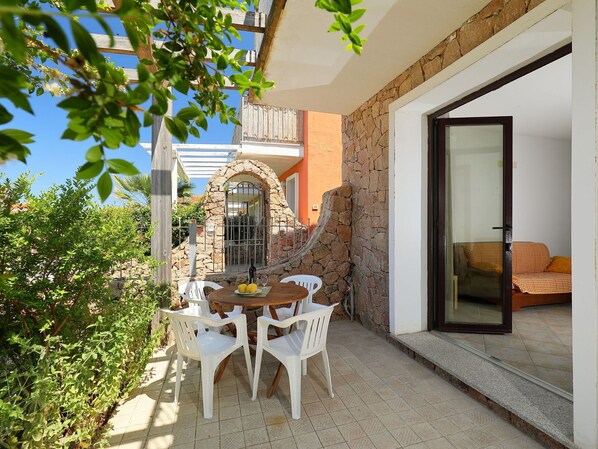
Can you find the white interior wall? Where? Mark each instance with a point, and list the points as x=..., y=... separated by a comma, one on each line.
x=542, y=192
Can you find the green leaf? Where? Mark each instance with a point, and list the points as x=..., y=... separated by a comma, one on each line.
x=201, y=121
x=344, y=6
x=132, y=34
x=86, y=44
x=90, y=170
x=19, y=135
x=334, y=27
x=143, y=73
x=14, y=40
x=106, y=28
x=132, y=125
x=177, y=128
x=344, y=23
x=5, y=116
x=221, y=62
x=56, y=33
x=10, y=148
x=357, y=14
x=105, y=186
x=122, y=167
x=188, y=113
x=95, y=154
x=74, y=103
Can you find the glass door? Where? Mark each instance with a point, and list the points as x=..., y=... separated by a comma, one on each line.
x=473, y=224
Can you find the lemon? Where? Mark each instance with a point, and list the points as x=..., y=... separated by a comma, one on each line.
x=242, y=288
x=251, y=288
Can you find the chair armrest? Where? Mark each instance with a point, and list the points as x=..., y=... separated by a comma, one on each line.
x=272, y=322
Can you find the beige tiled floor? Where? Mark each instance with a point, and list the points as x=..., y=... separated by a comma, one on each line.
x=383, y=400
x=540, y=344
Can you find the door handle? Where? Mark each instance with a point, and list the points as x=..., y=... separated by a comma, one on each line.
x=497, y=227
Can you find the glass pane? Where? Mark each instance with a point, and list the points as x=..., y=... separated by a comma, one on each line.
x=474, y=206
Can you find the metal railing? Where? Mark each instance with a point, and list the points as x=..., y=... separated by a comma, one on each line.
x=268, y=124
x=196, y=250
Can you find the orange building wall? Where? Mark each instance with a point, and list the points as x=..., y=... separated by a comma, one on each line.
x=320, y=169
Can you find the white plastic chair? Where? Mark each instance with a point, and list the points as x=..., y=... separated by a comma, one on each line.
x=193, y=292
x=292, y=349
x=209, y=347
x=311, y=283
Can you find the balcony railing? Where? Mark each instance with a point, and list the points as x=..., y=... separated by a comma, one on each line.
x=268, y=124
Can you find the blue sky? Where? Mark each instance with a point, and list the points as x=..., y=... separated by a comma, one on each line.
x=54, y=160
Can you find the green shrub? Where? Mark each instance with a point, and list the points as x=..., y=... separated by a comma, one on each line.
x=71, y=346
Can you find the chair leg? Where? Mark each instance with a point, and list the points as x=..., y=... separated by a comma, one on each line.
x=294, y=370
x=207, y=387
x=304, y=367
x=177, y=385
x=248, y=363
x=256, y=374
x=326, y=363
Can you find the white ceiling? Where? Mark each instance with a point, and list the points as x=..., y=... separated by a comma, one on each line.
x=540, y=102
x=312, y=71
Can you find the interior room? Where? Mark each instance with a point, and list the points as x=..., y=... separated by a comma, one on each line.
x=540, y=104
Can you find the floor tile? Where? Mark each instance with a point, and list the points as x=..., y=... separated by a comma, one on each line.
x=385, y=401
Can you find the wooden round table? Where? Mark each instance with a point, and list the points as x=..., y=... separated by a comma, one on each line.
x=281, y=293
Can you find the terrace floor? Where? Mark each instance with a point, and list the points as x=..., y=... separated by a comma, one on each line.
x=383, y=400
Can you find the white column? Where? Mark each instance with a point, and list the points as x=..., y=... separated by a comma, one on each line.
x=161, y=203
x=584, y=232
x=408, y=230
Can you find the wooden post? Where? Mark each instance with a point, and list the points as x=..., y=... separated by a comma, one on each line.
x=192, y=248
x=161, y=203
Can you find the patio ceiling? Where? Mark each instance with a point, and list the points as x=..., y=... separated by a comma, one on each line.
x=313, y=72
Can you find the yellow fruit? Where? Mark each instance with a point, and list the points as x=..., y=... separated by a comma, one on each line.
x=242, y=288
x=251, y=288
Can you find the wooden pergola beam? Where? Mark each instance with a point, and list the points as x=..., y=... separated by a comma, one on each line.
x=133, y=77
x=122, y=46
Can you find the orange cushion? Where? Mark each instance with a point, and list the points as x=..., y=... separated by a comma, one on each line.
x=560, y=264
x=487, y=266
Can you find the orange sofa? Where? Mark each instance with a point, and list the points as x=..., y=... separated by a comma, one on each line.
x=478, y=266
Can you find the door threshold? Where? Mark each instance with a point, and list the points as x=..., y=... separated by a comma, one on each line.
x=541, y=413
x=554, y=389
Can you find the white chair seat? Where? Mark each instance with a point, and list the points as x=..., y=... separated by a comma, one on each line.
x=212, y=342
x=292, y=349
x=288, y=345
x=311, y=283
x=193, y=292
x=207, y=346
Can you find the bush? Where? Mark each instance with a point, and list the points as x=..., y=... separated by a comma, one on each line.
x=71, y=347
x=181, y=216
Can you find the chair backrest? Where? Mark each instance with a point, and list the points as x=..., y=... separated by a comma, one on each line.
x=184, y=323
x=195, y=289
x=311, y=283
x=314, y=325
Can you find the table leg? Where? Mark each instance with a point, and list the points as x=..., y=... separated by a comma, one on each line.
x=223, y=315
x=276, y=380
x=221, y=369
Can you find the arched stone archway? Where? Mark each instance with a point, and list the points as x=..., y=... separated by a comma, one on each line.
x=276, y=207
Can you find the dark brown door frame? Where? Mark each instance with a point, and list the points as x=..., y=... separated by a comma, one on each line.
x=506, y=225
x=432, y=252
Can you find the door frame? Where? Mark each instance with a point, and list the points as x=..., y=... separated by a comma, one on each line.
x=432, y=252
x=437, y=217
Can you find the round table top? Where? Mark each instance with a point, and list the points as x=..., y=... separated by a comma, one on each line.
x=280, y=293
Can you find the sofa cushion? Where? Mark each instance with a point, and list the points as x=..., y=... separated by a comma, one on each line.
x=542, y=283
x=560, y=264
x=530, y=257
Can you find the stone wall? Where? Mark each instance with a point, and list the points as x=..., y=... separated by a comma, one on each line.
x=365, y=158
x=325, y=255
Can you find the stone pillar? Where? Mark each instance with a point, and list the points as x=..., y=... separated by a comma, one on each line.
x=584, y=223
